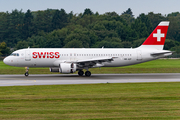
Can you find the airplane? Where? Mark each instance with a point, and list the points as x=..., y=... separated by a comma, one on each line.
x=70, y=60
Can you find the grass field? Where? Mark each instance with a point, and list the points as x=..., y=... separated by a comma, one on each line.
x=156, y=66
x=150, y=101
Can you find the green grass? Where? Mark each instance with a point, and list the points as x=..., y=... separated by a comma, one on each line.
x=156, y=66
x=100, y=101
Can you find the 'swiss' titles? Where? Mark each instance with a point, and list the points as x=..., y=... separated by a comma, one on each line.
x=46, y=55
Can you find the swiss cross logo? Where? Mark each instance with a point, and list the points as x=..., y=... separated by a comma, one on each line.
x=159, y=35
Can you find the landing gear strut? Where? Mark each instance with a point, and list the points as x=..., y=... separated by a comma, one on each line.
x=27, y=70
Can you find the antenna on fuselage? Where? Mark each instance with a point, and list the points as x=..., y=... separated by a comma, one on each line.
x=28, y=47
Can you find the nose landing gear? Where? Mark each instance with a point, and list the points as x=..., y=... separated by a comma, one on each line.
x=26, y=74
x=27, y=71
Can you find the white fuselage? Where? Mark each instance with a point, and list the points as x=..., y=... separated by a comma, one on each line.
x=44, y=57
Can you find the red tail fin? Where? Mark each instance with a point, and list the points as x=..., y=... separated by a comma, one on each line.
x=158, y=36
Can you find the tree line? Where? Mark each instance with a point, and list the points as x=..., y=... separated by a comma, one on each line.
x=54, y=28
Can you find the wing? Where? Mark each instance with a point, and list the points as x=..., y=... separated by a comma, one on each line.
x=94, y=62
x=87, y=63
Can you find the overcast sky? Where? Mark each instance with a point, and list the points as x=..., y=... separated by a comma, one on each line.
x=101, y=6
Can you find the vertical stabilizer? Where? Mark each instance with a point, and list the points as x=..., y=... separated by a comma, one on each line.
x=157, y=38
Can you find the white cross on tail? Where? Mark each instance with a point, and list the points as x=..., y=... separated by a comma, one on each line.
x=158, y=35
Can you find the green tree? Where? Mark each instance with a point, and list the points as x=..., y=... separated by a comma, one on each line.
x=11, y=32
x=174, y=27
x=128, y=18
x=60, y=19
x=170, y=44
x=126, y=33
x=4, y=50
x=109, y=43
x=74, y=44
x=4, y=26
x=93, y=38
x=129, y=12
x=55, y=38
x=127, y=44
x=138, y=42
x=140, y=28
x=173, y=14
x=43, y=19
x=155, y=19
x=36, y=41
x=80, y=34
x=145, y=19
x=22, y=44
x=87, y=11
x=176, y=50
x=27, y=26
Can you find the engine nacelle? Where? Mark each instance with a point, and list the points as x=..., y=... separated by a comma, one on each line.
x=56, y=69
x=67, y=67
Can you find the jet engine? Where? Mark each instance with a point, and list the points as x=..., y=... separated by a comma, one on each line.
x=64, y=68
x=67, y=67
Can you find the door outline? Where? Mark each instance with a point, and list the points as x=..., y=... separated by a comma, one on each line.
x=27, y=55
x=139, y=55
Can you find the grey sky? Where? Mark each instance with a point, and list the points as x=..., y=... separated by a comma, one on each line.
x=101, y=6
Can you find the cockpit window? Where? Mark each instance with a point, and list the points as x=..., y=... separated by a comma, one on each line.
x=14, y=54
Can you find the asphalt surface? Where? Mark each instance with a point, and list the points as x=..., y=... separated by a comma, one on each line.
x=60, y=79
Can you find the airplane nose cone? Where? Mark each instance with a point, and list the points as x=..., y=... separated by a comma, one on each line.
x=5, y=61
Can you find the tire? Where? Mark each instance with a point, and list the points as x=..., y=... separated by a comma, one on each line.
x=80, y=73
x=88, y=73
x=26, y=74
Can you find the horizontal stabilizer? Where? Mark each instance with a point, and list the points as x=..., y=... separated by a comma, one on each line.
x=163, y=53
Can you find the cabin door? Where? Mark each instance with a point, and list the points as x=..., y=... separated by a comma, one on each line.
x=27, y=55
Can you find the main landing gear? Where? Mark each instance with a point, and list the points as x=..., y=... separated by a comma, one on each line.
x=87, y=73
x=81, y=73
x=27, y=71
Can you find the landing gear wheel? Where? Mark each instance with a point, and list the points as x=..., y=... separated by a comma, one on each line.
x=27, y=70
x=26, y=74
x=88, y=73
x=80, y=73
